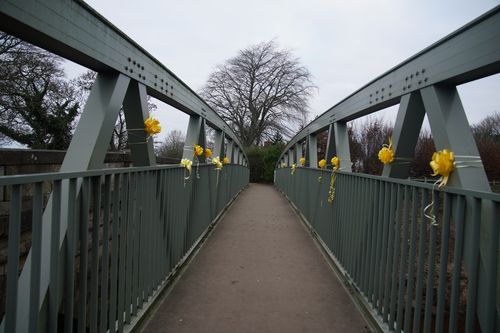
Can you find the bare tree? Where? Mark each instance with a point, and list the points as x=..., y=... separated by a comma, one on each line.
x=487, y=135
x=173, y=145
x=488, y=128
x=261, y=91
x=38, y=106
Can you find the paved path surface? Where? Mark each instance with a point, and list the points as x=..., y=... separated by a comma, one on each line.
x=259, y=271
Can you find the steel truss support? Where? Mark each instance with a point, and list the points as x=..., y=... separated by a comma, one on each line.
x=298, y=153
x=195, y=136
x=312, y=151
x=87, y=150
x=135, y=107
x=342, y=145
x=230, y=150
x=451, y=130
x=219, y=144
x=331, y=150
x=405, y=135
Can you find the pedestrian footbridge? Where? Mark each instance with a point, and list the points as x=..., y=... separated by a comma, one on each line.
x=160, y=248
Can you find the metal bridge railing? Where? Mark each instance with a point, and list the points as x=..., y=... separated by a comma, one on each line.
x=412, y=276
x=127, y=232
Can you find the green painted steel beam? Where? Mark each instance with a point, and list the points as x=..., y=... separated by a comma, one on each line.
x=75, y=31
x=472, y=52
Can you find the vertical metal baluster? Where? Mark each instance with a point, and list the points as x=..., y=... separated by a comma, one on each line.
x=403, y=259
x=159, y=230
x=353, y=229
x=372, y=254
x=390, y=250
x=360, y=231
x=474, y=266
x=396, y=257
x=130, y=247
x=492, y=268
x=139, y=242
x=82, y=286
x=148, y=236
x=115, y=249
x=169, y=192
x=13, y=259
x=344, y=222
x=54, y=255
x=380, y=225
x=411, y=261
x=429, y=294
x=69, y=274
x=94, y=273
x=172, y=220
x=125, y=194
x=421, y=263
x=138, y=264
x=368, y=227
x=385, y=223
x=105, y=254
x=457, y=262
x=443, y=262
x=335, y=219
x=36, y=255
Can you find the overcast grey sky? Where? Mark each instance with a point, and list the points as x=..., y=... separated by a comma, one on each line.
x=344, y=44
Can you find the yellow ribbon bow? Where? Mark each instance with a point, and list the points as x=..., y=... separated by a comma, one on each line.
x=443, y=164
x=152, y=126
x=386, y=154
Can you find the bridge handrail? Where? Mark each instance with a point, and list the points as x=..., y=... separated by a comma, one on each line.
x=150, y=219
x=53, y=176
x=406, y=270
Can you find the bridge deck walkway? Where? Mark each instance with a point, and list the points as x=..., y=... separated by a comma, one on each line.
x=259, y=271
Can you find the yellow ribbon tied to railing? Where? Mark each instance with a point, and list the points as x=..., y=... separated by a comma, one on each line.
x=208, y=153
x=331, y=191
x=386, y=154
x=321, y=165
x=197, y=150
x=443, y=164
x=152, y=126
x=225, y=160
x=302, y=161
x=186, y=164
x=294, y=167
